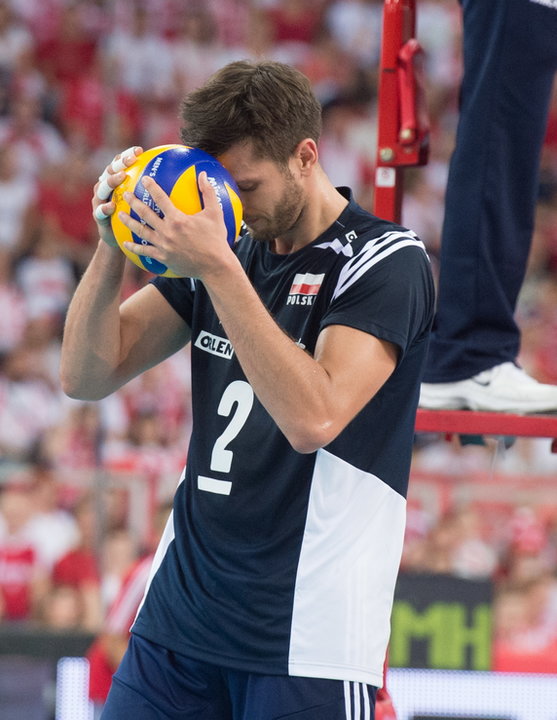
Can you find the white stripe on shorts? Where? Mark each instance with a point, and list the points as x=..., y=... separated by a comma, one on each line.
x=357, y=706
x=348, y=699
x=354, y=708
x=367, y=707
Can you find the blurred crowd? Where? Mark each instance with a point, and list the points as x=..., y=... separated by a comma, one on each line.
x=80, y=80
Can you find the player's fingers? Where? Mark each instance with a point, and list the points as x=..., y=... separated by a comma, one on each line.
x=159, y=196
x=146, y=236
x=126, y=158
x=208, y=192
x=106, y=186
x=148, y=219
x=103, y=189
x=100, y=215
x=119, y=163
x=142, y=250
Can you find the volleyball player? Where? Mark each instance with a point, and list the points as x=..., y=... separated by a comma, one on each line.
x=271, y=590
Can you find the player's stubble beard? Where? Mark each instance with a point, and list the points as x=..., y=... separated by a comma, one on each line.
x=285, y=216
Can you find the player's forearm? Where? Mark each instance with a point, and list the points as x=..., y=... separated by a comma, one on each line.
x=291, y=385
x=91, y=344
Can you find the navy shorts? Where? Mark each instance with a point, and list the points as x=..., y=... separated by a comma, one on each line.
x=153, y=683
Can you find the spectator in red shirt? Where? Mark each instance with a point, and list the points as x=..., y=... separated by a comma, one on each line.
x=91, y=113
x=63, y=210
x=66, y=54
x=22, y=579
x=295, y=21
x=78, y=568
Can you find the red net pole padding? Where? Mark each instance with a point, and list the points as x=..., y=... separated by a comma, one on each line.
x=403, y=127
x=402, y=141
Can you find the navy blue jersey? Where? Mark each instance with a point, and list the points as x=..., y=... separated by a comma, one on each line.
x=279, y=562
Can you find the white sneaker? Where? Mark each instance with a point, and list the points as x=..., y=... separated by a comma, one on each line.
x=503, y=388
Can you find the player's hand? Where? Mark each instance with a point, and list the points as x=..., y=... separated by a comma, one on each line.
x=112, y=176
x=189, y=245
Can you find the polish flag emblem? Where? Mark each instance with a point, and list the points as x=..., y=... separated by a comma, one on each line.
x=306, y=284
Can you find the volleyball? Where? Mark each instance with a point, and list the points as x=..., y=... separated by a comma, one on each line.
x=176, y=169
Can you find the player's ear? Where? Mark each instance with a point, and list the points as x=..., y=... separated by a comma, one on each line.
x=306, y=154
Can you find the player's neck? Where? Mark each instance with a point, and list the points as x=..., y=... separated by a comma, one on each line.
x=319, y=213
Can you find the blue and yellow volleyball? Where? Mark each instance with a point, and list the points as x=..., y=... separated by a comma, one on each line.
x=176, y=169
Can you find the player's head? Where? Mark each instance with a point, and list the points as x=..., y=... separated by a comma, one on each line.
x=267, y=103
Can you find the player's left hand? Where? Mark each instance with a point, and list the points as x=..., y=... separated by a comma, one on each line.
x=189, y=245
x=102, y=204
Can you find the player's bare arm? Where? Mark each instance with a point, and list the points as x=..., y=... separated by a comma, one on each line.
x=310, y=398
x=105, y=343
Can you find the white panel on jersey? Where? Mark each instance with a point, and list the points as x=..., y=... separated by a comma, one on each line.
x=346, y=575
x=166, y=538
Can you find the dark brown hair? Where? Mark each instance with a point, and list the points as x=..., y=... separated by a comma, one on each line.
x=267, y=102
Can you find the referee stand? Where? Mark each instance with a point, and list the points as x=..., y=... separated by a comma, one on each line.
x=403, y=141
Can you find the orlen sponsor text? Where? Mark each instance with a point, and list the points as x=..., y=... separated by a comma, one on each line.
x=214, y=344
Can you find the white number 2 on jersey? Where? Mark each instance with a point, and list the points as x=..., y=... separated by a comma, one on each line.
x=236, y=402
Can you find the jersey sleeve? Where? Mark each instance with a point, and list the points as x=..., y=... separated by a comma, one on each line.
x=390, y=296
x=179, y=293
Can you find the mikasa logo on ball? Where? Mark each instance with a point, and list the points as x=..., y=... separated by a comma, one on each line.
x=154, y=169
x=216, y=188
x=214, y=344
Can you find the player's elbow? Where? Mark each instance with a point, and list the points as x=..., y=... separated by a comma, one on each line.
x=76, y=389
x=70, y=386
x=76, y=392
x=310, y=437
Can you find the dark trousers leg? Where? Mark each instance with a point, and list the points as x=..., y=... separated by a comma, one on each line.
x=510, y=58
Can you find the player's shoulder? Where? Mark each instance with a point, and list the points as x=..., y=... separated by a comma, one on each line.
x=372, y=229
x=374, y=238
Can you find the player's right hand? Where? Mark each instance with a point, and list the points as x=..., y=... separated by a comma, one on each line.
x=112, y=176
